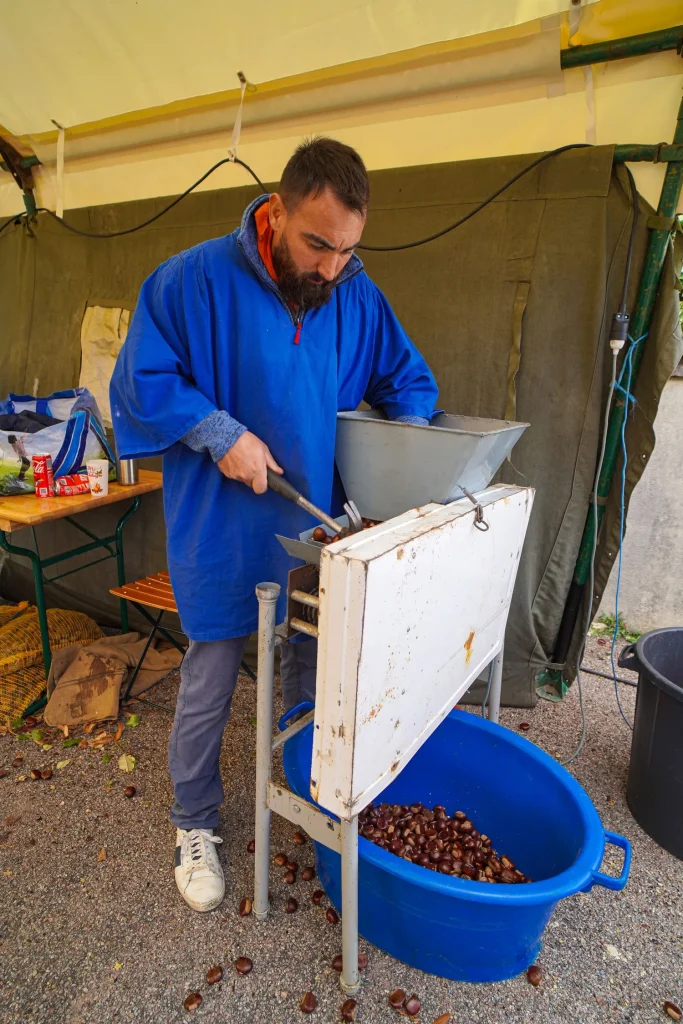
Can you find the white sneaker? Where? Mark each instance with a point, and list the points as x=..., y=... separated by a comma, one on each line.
x=198, y=872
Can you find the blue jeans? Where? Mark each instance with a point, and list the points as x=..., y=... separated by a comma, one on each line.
x=208, y=676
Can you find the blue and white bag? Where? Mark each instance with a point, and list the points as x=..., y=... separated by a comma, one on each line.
x=77, y=438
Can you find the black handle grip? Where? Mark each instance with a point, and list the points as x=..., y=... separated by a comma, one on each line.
x=282, y=486
x=629, y=659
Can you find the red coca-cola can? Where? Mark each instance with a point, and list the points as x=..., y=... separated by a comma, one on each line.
x=42, y=476
x=73, y=483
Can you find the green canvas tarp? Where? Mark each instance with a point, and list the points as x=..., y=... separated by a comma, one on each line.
x=512, y=311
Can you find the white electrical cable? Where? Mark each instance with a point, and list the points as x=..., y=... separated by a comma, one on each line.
x=591, y=574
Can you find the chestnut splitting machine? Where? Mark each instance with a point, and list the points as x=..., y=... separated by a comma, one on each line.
x=407, y=615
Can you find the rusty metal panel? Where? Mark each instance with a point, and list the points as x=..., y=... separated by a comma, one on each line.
x=411, y=611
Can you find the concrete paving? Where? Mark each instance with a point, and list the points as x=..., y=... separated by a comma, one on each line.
x=85, y=940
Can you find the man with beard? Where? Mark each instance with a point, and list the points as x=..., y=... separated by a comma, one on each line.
x=240, y=353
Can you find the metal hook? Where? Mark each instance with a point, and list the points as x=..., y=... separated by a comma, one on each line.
x=479, y=520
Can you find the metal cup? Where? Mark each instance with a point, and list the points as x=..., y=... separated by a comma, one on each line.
x=126, y=472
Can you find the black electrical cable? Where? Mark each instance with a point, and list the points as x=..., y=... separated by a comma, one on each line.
x=369, y=248
x=13, y=220
x=150, y=220
x=485, y=202
x=620, y=321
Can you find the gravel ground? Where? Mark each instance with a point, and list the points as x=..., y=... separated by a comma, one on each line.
x=93, y=941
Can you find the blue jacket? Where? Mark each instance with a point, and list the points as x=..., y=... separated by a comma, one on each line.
x=211, y=331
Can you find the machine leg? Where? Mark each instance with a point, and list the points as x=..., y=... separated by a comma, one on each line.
x=267, y=594
x=349, y=979
x=496, y=686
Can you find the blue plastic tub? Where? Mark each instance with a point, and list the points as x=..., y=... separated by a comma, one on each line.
x=534, y=811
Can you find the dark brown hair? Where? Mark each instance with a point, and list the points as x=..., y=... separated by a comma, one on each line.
x=320, y=163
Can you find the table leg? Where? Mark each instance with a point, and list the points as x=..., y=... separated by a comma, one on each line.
x=120, y=561
x=349, y=978
x=37, y=567
x=496, y=687
x=267, y=594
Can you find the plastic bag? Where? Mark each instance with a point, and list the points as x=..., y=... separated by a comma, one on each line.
x=75, y=439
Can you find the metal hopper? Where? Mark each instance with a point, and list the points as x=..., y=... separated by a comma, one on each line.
x=388, y=468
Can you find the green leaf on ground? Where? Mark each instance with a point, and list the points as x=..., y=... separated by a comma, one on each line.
x=73, y=741
x=36, y=735
x=133, y=721
x=106, y=758
x=63, y=764
x=17, y=723
x=126, y=762
x=253, y=721
x=46, y=746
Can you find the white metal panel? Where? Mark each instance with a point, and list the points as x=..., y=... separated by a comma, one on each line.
x=410, y=613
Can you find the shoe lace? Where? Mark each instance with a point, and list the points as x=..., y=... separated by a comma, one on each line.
x=194, y=848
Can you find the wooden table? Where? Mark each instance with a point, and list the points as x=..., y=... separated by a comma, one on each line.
x=26, y=511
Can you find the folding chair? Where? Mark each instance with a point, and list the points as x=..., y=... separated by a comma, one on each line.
x=155, y=592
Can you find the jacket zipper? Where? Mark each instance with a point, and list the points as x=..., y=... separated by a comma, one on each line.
x=298, y=322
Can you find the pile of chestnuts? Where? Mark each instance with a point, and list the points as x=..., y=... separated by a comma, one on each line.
x=434, y=840
x=321, y=536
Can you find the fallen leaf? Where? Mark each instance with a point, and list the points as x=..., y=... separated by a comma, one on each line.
x=17, y=723
x=133, y=721
x=8, y=873
x=63, y=764
x=117, y=966
x=47, y=746
x=106, y=758
x=119, y=732
x=99, y=735
x=443, y=1019
x=21, y=778
x=613, y=951
x=83, y=744
x=73, y=742
x=126, y=762
x=89, y=728
x=101, y=741
x=36, y=735
x=102, y=855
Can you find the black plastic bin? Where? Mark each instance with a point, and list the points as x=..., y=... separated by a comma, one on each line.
x=655, y=777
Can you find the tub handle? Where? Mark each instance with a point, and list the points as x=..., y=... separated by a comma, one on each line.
x=629, y=659
x=609, y=881
x=305, y=705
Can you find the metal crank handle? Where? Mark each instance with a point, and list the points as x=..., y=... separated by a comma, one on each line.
x=284, y=488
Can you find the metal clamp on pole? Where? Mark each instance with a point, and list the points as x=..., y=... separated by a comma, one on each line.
x=479, y=520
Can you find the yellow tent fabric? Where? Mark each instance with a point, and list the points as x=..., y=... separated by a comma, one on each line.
x=148, y=93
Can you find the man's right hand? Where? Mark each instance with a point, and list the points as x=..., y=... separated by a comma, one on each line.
x=247, y=462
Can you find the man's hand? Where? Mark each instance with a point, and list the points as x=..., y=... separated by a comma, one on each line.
x=247, y=462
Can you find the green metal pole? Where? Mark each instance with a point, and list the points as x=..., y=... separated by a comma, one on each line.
x=640, y=322
x=618, y=49
x=665, y=153
x=120, y=564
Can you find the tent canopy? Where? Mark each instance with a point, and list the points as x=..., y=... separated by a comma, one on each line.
x=148, y=93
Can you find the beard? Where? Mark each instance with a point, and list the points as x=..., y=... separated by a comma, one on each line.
x=302, y=291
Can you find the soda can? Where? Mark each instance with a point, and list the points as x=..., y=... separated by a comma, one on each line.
x=72, y=483
x=42, y=475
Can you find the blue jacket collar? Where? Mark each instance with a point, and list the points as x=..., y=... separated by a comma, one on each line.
x=248, y=241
